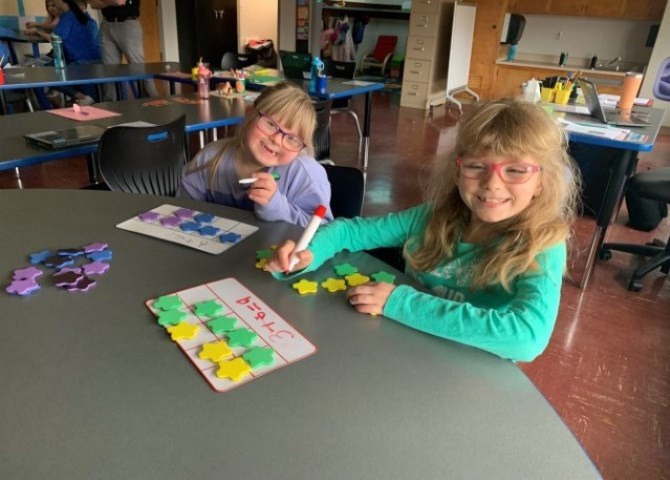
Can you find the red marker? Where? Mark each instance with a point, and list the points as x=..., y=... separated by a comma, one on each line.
x=307, y=235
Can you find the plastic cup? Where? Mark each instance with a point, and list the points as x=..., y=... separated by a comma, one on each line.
x=631, y=85
x=547, y=94
x=561, y=97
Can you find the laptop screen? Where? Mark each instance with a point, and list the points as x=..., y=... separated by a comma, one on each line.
x=592, y=101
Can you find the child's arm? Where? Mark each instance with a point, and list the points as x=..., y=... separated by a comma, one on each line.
x=195, y=177
x=518, y=329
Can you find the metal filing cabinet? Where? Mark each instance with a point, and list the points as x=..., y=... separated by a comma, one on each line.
x=427, y=55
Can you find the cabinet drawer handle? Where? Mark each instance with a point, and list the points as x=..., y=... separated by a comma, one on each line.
x=419, y=49
x=412, y=93
x=417, y=72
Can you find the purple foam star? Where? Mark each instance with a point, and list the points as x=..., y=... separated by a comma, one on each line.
x=184, y=213
x=100, y=256
x=29, y=273
x=95, y=247
x=22, y=287
x=148, y=216
x=95, y=268
x=83, y=285
x=170, y=221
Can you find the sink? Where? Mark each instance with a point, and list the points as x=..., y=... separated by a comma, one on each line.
x=621, y=67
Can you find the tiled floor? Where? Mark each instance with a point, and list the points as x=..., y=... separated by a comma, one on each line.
x=607, y=368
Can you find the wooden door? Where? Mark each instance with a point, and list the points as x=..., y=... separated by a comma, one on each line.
x=149, y=21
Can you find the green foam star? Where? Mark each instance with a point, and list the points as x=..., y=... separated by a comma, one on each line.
x=208, y=308
x=265, y=253
x=168, y=302
x=259, y=356
x=222, y=324
x=241, y=337
x=383, y=277
x=171, y=317
x=344, y=269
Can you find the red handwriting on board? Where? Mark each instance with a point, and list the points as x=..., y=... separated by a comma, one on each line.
x=262, y=320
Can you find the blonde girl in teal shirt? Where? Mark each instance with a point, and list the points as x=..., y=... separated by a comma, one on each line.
x=489, y=244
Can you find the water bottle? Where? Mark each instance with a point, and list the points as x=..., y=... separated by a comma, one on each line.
x=204, y=74
x=59, y=56
x=317, y=66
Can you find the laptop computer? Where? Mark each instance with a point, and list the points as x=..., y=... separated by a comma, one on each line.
x=66, y=137
x=610, y=117
x=294, y=64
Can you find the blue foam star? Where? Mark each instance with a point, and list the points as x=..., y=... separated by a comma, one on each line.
x=230, y=237
x=204, y=218
x=189, y=226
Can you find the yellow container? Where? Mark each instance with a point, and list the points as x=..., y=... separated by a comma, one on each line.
x=562, y=96
x=547, y=94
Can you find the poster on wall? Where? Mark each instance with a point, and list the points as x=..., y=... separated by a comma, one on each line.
x=302, y=20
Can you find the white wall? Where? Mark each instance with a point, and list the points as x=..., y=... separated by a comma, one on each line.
x=584, y=37
x=167, y=27
x=257, y=19
x=660, y=53
x=286, y=25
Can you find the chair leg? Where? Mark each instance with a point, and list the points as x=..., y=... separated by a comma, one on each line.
x=358, y=129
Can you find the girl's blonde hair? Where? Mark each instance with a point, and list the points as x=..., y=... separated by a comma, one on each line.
x=285, y=103
x=511, y=129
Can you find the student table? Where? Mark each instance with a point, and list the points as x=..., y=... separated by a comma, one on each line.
x=91, y=74
x=621, y=158
x=21, y=37
x=201, y=116
x=94, y=388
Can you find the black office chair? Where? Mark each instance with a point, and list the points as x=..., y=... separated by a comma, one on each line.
x=229, y=61
x=653, y=185
x=145, y=160
x=294, y=63
x=246, y=60
x=347, y=188
x=321, y=137
x=344, y=70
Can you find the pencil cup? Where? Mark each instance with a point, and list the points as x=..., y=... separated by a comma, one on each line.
x=562, y=96
x=547, y=94
x=631, y=85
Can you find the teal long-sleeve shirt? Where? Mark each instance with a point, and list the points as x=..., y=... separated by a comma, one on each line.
x=516, y=325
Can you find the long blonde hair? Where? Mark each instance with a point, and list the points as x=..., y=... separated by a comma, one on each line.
x=512, y=129
x=285, y=103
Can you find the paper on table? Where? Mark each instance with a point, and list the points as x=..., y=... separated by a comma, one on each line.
x=609, y=100
x=84, y=114
x=605, y=131
x=359, y=83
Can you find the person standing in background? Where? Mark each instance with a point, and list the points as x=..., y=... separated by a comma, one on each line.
x=121, y=34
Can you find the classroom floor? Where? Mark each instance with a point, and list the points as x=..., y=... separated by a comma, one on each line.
x=607, y=368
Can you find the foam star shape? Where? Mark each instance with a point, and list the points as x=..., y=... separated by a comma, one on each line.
x=215, y=351
x=183, y=331
x=234, y=370
x=207, y=308
x=230, y=237
x=304, y=286
x=189, y=226
x=334, y=285
x=383, y=277
x=95, y=247
x=261, y=263
x=344, y=269
x=39, y=257
x=171, y=317
x=204, y=218
x=100, y=256
x=222, y=324
x=168, y=302
x=357, y=279
x=259, y=356
x=265, y=253
x=208, y=230
x=242, y=337
x=27, y=273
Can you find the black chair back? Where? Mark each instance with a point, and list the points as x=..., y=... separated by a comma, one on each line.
x=145, y=160
x=246, y=60
x=347, y=188
x=229, y=61
x=321, y=138
x=293, y=64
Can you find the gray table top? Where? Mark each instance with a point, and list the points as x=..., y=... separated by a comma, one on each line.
x=92, y=387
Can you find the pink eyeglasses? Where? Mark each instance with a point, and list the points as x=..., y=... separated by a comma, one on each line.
x=508, y=172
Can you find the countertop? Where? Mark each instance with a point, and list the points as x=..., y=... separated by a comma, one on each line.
x=567, y=68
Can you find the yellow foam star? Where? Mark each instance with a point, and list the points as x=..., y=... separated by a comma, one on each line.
x=334, y=284
x=215, y=351
x=183, y=331
x=261, y=263
x=357, y=279
x=304, y=286
x=234, y=370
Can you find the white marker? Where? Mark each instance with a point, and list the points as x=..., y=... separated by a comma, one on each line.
x=307, y=235
x=250, y=180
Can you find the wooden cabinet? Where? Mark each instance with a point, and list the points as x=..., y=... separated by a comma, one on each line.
x=625, y=9
x=509, y=80
x=426, y=58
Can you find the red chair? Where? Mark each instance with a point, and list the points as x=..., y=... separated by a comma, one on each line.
x=381, y=55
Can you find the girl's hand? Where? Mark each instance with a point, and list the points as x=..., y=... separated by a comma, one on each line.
x=370, y=297
x=279, y=262
x=30, y=25
x=263, y=189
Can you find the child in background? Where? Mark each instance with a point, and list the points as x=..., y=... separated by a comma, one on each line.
x=489, y=245
x=275, y=140
x=54, y=12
